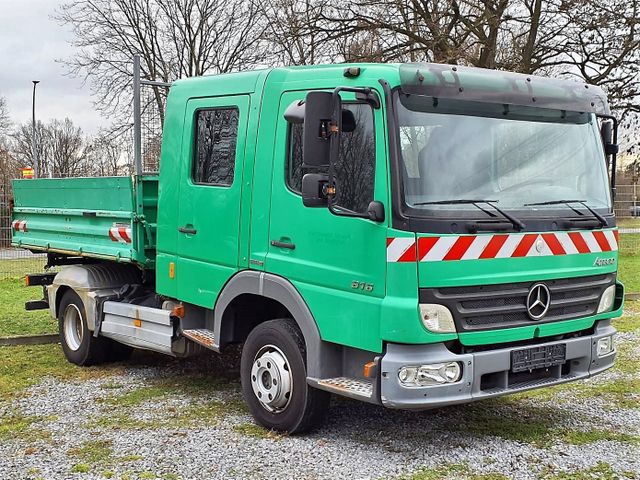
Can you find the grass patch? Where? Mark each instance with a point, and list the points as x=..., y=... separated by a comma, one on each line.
x=623, y=393
x=14, y=426
x=452, y=471
x=628, y=222
x=630, y=321
x=197, y=384
x=25, y=365
x=131, y=458
x=92, y=452
x=536, y=426
x=581, y=437
x=81, y=468
x=195, y=415
x=539, y=426
x=601, y=471
x=627, y=361
x=122, y=421
x=14, y=319
x=207, y=413
x=137, y=396
x=629, y=267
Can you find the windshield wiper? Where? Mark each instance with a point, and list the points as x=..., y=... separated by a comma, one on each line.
x=601, y=219
x=517, y=224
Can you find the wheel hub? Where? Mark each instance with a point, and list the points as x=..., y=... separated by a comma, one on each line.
x=271, y=378
x=73, y=327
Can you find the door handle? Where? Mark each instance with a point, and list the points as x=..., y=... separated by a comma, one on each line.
x=189, y=230
x=289, y=245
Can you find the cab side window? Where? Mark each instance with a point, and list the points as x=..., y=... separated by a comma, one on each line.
x=215, y=146
x=355, y=169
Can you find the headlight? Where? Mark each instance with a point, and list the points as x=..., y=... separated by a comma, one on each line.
x=607, y=298
x=430, y=374
x=604, y=346
x=437, y=318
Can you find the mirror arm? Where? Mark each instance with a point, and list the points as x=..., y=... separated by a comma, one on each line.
x=614, y=120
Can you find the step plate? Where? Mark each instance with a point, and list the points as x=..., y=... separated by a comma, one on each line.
x=201, y=336
x=347, y=385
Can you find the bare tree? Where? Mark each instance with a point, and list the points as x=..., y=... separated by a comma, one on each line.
x=5, y=121
x=63, y=150
x=66, y=149
x=107, y=155
x=293, y=31
x=175, y=38
x=21, y=146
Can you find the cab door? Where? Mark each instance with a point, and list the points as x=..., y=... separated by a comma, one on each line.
x=337, y=263
x=210, y=194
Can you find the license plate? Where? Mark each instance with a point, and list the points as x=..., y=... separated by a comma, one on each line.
x=538, y=357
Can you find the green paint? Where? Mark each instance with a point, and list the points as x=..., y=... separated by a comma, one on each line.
x=235, y=224
x=77, y=221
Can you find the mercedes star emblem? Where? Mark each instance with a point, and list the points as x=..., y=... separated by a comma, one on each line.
x=538, y=301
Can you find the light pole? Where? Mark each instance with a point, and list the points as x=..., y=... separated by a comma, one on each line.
x=34, y=150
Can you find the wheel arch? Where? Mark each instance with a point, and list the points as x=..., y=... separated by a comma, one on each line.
x=281, y=291
x=88, y=281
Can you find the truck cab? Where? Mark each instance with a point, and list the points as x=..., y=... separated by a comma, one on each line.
x=413, y=236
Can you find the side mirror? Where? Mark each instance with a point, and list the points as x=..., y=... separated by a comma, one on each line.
x=318, y=128
x=375, y=211
x=314, y=187
x=606, y=133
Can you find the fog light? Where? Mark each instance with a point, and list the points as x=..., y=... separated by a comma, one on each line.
x=429, y=375
x=604, y=346
x=607, y=298
x=437, y=318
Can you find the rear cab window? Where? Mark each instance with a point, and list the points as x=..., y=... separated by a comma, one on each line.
x=216, y=135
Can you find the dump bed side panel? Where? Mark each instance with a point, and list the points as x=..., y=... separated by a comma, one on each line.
x=95, y=217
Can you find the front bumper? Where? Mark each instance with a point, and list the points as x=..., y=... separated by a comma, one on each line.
x=485, y=374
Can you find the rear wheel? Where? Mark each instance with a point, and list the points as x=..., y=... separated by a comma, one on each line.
x=274, y=379
x=78, y=343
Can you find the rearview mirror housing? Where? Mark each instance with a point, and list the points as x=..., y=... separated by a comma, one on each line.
x=313, y=190
x=295, y=112
x=318, y=128
x=606, y=133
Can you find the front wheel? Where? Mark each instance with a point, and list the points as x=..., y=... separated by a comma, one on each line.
x=274, y=379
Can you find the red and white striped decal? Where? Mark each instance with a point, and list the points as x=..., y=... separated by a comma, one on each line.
x=19, y=225
x=476, y=247
x=120, y=234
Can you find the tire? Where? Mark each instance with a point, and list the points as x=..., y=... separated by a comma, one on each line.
x=274, y=363
x=78, y=343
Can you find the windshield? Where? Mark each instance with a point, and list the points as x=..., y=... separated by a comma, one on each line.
x=513, y=155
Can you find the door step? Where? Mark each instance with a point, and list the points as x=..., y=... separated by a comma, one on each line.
x=201, y=336
x=351, y=387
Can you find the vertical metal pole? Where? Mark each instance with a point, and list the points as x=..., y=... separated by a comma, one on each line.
x=34, y=145
x=137, y=134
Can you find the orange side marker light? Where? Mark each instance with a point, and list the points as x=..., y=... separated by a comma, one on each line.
x=369, y=370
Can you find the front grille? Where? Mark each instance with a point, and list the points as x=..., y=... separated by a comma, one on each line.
x=486, y=307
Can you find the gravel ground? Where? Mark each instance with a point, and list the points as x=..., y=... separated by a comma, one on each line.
x=172, y=419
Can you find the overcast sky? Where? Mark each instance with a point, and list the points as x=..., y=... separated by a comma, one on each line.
x=30, y=43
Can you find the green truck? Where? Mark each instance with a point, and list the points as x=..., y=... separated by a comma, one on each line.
x=410, y=235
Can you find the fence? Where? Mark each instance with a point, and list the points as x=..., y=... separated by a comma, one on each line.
x=13, y=262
